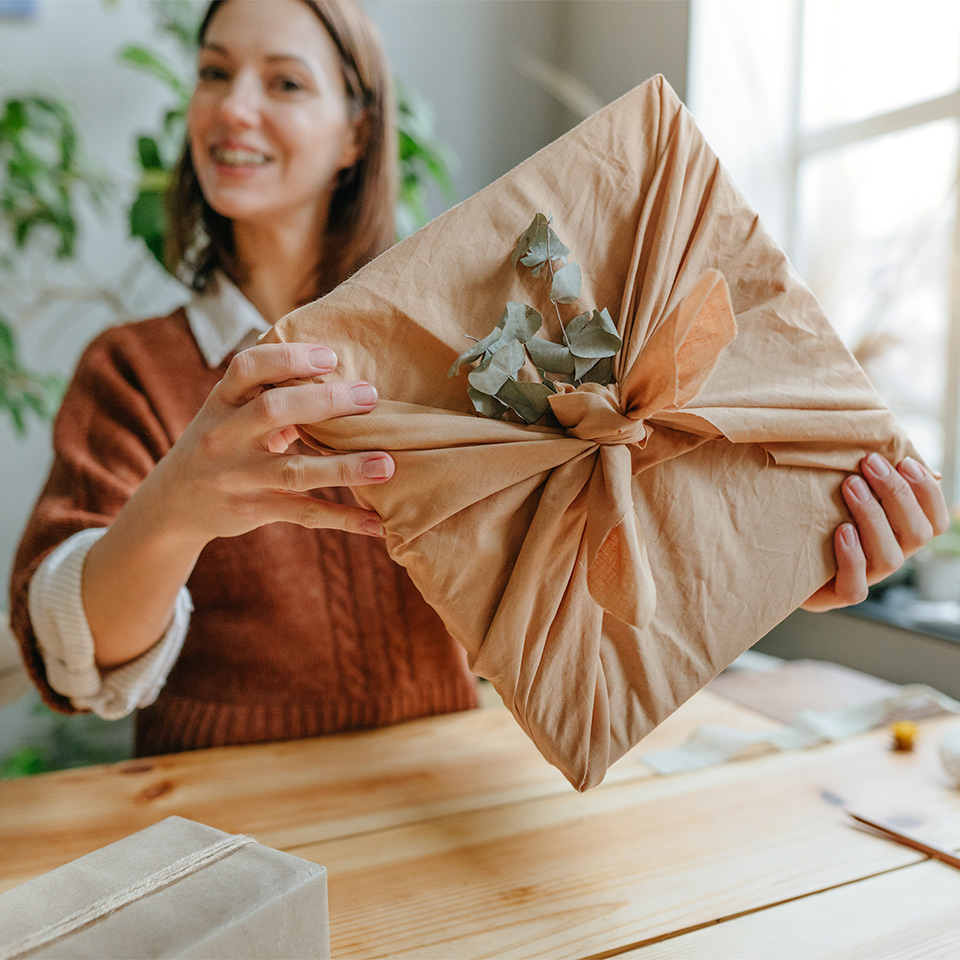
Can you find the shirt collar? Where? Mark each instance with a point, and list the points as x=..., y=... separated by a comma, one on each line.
x=223, y=320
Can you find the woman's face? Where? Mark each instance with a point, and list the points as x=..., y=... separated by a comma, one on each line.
x=269, y=122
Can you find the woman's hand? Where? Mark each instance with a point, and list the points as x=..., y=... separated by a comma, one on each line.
x=896, y=512
x=229, y=473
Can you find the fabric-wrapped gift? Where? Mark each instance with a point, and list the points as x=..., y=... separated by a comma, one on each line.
x=601, y=571
x=176, y=889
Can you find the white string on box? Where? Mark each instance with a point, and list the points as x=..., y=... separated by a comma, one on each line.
x=151, y=884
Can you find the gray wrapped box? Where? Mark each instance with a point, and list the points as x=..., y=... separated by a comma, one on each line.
x=194, y=892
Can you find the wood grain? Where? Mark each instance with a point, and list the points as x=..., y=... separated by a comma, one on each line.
x=294, y=793
x=908, y=914
x=578, y=876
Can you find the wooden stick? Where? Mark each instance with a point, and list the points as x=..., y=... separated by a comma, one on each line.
x=890, y=832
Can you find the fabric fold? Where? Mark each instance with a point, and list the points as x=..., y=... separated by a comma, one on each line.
x=601, y=571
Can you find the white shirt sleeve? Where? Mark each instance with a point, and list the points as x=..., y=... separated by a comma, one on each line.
x=66, y=644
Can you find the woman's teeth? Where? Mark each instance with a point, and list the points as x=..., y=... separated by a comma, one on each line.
x=232, y=157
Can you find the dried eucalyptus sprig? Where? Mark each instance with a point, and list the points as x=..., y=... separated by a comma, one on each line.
x=590, y=340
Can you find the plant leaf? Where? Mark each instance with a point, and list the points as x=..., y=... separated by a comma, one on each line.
x=554, y=357
x=566, y=284
x=596, y=337
x=526, y=238
x=486, y=405
x=519, y=322
x=529, y=399
x=491, y=375
x=600, y=372
x=546, y=245
x=476, y=351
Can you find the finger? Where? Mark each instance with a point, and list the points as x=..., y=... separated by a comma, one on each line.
x=271, y=363
x=851, y=581
x=849, y=586
x=876, y=536
x=300, y=473
x=928, y=492
x=904, y=514
x=273, y=410
x=323, y=515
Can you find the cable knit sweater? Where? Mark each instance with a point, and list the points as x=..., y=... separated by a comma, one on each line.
x=295, y=632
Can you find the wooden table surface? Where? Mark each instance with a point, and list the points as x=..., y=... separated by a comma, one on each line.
x=451, y=837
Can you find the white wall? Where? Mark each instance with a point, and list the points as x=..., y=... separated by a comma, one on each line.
x=462, y=55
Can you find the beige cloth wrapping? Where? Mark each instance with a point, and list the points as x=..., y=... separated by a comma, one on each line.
x=602, y=574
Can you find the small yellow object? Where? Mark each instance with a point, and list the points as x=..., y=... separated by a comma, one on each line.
x=904, y=733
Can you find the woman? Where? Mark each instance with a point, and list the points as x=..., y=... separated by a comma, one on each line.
x=297, y=628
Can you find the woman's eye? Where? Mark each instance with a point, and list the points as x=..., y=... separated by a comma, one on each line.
x=210, y=73
x=288, y=84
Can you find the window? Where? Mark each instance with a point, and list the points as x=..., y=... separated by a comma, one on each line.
x=840, y=121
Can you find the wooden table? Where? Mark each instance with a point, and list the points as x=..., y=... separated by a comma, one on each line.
x=451, y=838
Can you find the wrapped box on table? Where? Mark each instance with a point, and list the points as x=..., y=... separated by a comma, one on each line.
x=175, y=889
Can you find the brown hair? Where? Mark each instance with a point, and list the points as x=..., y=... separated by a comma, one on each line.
x=361, y=221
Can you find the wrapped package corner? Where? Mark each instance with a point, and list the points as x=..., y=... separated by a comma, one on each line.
x=175, y=889
x=602, y=572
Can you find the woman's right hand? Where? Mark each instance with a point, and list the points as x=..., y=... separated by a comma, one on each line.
x=230, y=471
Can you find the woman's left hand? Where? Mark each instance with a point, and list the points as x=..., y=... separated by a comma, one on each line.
x=896, y=512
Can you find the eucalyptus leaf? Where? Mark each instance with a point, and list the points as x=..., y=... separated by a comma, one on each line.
x=529, y=399
x=491, y=375
x=476, y=351
x=583, y=368
x=519, y=322
x=486, y=405
x=600, y=372
x=546, y=246
x=526, y=238
x=596, y=337
x=553, y=357
x=566, y=284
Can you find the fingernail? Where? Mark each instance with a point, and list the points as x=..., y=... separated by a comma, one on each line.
x=373, y=527
x=878, y=465
x=323, y=358
x=377, y=469
x=858, y=488
x=911, y=469
x=363, y=394
x=848, y=535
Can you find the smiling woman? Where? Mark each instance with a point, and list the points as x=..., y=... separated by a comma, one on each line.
x=154, y=572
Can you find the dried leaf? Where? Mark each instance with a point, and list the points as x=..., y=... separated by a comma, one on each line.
x=529, y=399
x=519, y=322
x=523, y=244
x=546, y=245
x=594, y=337
x=476, y=351
x=600, y=372
x=554, y=357
x=491, y=375
x=486, y=405
x=566, y=284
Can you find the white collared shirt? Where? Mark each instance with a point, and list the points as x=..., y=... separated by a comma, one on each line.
x=221, y=320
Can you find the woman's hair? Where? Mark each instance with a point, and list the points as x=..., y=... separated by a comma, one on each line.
x=361, y=221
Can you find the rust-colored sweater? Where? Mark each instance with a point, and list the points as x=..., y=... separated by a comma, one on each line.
x=295, y=632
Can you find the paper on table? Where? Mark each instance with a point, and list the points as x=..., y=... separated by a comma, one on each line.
x=601, y=574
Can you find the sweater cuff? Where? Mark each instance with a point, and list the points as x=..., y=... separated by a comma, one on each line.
x=66, y=643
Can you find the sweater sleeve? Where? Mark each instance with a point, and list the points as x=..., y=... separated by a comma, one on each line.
x=66, y=644
x=107, y=437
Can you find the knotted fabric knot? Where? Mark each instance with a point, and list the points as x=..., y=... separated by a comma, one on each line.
x=667, y=372
x=592, y=412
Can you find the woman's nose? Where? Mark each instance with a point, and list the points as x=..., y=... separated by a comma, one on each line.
x=241, y=104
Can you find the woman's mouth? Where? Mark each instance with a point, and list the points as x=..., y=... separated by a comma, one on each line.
x=238, y=157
